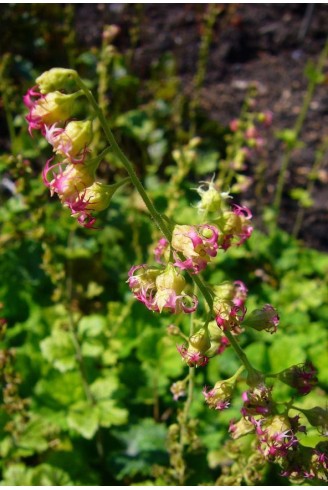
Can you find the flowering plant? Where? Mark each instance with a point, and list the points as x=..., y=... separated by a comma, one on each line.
x=218, y=312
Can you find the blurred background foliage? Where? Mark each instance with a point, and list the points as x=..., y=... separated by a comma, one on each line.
x=85, y=370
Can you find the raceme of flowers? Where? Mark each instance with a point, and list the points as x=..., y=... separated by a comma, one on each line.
x=70, y=173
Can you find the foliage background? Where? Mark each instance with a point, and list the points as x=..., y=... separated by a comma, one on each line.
x=86, y=371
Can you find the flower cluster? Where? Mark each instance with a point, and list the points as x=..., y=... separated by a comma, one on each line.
x=230, y=310
x=197, y=244
x=232, y=222
x=219, y=396
x=229, y=305
x=161, y=289
x=71, y=172
x=276, y=434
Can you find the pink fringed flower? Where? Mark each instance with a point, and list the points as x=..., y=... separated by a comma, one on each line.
x=302, y=377
x=275, y=436
x=68, y=179
x=219, y=397
x=257, y=401
x=198, y=244
x=266, y=318
x=71, y=141
x=229, y=305
x=47, y=109
x=160, y=249
x=235, y=227
x=192, y=356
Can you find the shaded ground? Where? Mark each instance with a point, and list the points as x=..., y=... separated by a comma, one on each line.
x=265, y=44
x=268, y=44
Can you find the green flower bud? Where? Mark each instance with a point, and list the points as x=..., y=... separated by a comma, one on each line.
x=98, y=195
x=55, y=79
x=54, y=107
x=265, y=318
x=200, y=340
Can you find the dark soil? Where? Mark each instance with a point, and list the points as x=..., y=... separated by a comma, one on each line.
x=265, y=44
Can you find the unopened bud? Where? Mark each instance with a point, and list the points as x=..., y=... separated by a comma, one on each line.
x=178, y=389
x=55, y=79
x=219, y=397
x=54, y=107
x=301, y=377
x=318, y=417
x=201, y=340
x=265, y=318
x=240, y=428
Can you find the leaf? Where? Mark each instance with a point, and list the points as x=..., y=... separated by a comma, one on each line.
x=103, y=388
x=60, y=390
x=84, y=419
x=110, y=415
x=59, y=350
x=46, y=475
x=92, y=326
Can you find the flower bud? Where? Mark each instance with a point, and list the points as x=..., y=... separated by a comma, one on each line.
x=301, y=377
x=265, y=318
x=48, y=109
x=197, y=244
x=229, y=305
x=68, y=181
x=211, y=199
x=96, y=197
x=234, y=226
x=178, y=389
x=200, y=340
x=193, y=356
x=257, y=401
x=164, y=292
x=55, y=79
x=219, y=397
x=71, y=140
x=170, y=279
x=240, y=428
x=318, y=417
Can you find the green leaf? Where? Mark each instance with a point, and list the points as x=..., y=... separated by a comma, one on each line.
x=103, y=388
x=313, y=74
x=59, y=350
x=84, y=419
x=302, y=196
x=92, y=326
x=46, y=475
x=110, y=415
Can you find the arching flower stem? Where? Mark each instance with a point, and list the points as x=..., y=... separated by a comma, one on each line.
x=162, y=224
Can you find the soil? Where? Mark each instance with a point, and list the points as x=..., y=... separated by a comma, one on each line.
x=267, y=45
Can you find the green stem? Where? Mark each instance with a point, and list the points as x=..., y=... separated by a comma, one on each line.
x=126, y=162
x=191, y=376
x=253, y=374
